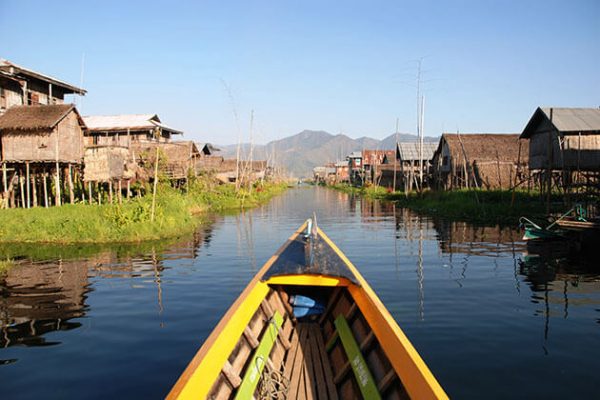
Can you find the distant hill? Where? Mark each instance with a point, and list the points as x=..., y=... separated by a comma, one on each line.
x=301, y=152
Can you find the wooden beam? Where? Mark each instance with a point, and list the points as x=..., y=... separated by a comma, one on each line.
x=71, y=190
x=27, y=182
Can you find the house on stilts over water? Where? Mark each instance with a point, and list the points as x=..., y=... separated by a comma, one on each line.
x=42, y=153
x=564, y=152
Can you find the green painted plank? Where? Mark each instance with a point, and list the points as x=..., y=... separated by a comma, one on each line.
x=260, y=357
x=365, y=380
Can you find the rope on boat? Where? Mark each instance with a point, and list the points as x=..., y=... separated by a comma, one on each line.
x=273, y=385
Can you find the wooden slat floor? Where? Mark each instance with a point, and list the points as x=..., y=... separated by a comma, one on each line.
x=307, y=365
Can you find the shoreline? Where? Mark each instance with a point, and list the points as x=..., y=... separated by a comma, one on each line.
x=177, y=213
x=498, y=207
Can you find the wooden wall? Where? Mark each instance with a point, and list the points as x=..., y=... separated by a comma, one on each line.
x=41, y=146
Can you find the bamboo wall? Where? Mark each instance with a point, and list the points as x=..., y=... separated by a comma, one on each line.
x=63, y=144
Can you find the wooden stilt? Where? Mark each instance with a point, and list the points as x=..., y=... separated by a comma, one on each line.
x=45, y=190
x=90, y=191
x=21, y=184
x=34, y=189
x=5, y=184
x=57, y=194
x=110, y=192
x=99, y=187
x=128, y=189
x=71, y=190
x=27, y=189
x=120, y=190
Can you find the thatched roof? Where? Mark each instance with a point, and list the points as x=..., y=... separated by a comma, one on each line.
x=485, y=147
x=565, y=120
x=34, y=118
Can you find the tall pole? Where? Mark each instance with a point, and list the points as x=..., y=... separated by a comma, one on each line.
x=421, y=142
x=154, y=188
x=395, y=157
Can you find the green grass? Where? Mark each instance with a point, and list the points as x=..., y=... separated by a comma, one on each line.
x=5, y=265
x=480, y=206
x=177, y=213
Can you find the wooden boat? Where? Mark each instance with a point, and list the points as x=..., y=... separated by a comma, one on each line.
x=307, y=326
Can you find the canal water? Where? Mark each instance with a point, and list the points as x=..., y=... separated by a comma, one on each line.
x=491, y=317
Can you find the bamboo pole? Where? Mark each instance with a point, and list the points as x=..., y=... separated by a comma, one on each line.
x=154, y=188
x=45, y=190
x=27, y=188
x=70, y=181
x=5, y=184
x=22, y=191
x=57, y=194
x=34, y=190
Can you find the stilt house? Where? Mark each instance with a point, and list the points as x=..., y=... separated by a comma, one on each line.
x=373, y=160
x=127, y=130
x=489, y=161
x=564, y=149
x=38, y=142
x=408, y=158
x=23, y=86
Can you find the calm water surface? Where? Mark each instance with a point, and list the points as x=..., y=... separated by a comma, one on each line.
x=489, y=318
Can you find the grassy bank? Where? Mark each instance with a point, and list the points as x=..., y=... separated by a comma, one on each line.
x=177, y=212
x=481, y=206
x=5, y=265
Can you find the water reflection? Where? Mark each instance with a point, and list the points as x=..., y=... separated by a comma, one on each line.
x=38, y=297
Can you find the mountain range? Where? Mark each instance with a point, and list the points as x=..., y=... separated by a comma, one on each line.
x=301, y=152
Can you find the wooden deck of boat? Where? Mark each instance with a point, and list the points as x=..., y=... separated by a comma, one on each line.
x=307, y=366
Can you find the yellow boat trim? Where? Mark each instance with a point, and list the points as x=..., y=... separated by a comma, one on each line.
x=308, y=280
x=200, y=374
x=408, y=364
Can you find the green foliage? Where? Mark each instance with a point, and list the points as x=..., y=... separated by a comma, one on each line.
x=481, y=206
x=5, y=265
x=178, y=211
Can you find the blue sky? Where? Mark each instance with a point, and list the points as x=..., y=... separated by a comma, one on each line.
x=337, y=66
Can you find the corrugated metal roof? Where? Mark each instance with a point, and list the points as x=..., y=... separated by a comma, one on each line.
x=355, y=154
x=14, y=69
x=409, y=151
x=341, y=164
x=574, y=119
x=105, y=123
x=566, y=120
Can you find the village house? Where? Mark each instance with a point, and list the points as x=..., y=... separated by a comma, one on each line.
x=127, y=130
x=489, y=161
x=355, y=168
x=341, y=172
x=372, y=161
x=37, y=143
x=22, y=86
x=564, y=148
x=410, y=158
